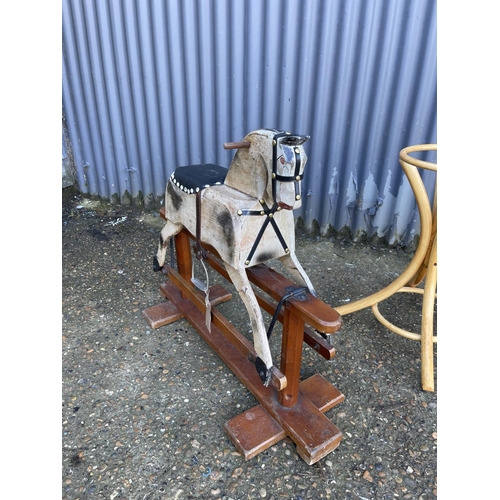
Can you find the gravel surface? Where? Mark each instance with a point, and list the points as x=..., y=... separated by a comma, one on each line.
x=143, y=410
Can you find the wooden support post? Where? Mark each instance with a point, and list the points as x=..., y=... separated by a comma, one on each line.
x=291, y=356
x=184, y=256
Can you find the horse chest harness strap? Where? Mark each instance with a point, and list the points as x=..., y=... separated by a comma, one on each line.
x=269, y=219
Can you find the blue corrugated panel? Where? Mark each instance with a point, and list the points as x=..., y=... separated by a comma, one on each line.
x=148, y=86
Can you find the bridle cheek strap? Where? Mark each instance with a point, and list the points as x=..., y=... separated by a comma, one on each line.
x=296, y=178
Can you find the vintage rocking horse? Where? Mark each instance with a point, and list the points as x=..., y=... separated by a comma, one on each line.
x=230, y=209
x=240, y=218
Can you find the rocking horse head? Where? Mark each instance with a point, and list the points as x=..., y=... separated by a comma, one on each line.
x=270, y=168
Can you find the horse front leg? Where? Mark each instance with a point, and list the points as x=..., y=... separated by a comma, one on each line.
x=169, y=230
x=294, y=267
x=264, y=361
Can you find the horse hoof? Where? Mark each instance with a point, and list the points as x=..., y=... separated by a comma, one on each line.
x=156, y=264
x=263, y=371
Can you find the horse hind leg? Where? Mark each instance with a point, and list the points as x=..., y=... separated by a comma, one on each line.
x=169, y=230
x=264, y=361
x=296, y=270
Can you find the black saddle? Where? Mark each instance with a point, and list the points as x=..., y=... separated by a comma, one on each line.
x=193, y=178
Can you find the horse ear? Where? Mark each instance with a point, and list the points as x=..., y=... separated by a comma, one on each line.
x=295, y=140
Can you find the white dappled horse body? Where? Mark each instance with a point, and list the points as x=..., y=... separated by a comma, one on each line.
x=246, y=215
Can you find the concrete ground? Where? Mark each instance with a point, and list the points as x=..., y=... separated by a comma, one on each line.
x=143, y=409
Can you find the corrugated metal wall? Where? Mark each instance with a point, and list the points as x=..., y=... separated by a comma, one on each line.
x=151, y=85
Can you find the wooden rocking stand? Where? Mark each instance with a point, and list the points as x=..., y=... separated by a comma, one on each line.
x=288, y=406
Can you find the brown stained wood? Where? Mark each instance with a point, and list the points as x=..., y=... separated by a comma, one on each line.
x=166, y=313
x=313, y=433
x=321, y=392
x=291, y=356
x=254, y=431
x=184, y=256
x=319, y=344
x=161, y=315
x=218, y=294
x=313, y=311
x=311, y=338
x=237, y=145
x=239, y=341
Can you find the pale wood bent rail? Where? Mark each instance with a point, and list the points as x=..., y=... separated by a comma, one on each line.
x=423, y=265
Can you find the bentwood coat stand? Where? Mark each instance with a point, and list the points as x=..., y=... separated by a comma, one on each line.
x=422, y=268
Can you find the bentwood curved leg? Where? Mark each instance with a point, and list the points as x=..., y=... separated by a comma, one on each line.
x=423, y=265
x=427, y=340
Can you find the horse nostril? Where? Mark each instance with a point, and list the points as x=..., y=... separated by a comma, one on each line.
x=284, y=206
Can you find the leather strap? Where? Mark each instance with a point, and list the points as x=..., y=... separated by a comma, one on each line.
x=200, y=251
